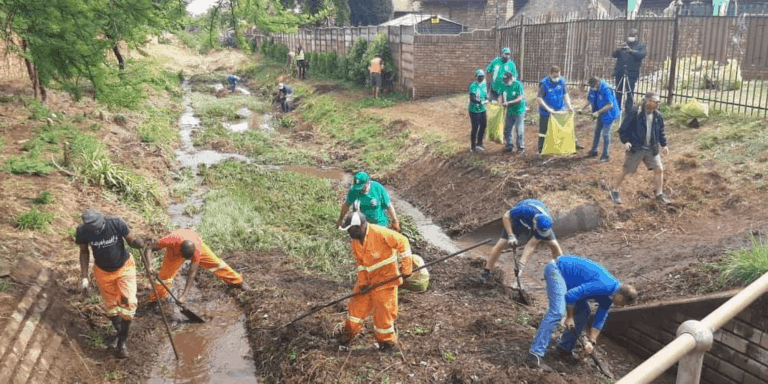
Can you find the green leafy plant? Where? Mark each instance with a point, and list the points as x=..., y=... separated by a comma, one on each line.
x=33, y=220
x=449, y=357
x=45, y=197
x=5, y=285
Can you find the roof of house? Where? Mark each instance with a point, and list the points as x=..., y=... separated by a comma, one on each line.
x=534, y=8
x=413, y=19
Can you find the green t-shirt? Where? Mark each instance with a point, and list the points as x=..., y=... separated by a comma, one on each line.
x=496, y=71
x=480, y=91
x=513, y=91
x=373, y=204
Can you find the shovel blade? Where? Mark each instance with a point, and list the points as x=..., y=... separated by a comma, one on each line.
x=191, y=315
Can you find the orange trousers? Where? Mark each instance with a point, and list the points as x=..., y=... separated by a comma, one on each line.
x=118, y=290
x=208, y=260
x=383, y=303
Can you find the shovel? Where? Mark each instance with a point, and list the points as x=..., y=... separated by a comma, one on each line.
x=184, y=310
x=523, y=298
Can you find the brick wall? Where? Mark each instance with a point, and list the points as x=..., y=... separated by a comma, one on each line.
x=11, y=66
x=446, y=64
x=475, y=15
x=739, y=353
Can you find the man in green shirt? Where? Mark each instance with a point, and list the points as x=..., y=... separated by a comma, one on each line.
x=513, y=98
x=370, y=198
x=477, y=100
x=496, y=70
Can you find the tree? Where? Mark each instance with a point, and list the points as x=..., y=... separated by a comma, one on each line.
x=370, y=12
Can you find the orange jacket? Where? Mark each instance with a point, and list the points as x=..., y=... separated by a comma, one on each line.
x=382, y=255
x=172, y=244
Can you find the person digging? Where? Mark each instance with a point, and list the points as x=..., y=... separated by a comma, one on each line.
x=529, y=218
x=182, y=245
x=380, y=254
x=586, y=281
x=113, y=268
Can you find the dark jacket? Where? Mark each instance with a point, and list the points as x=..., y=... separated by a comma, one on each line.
x=632, y=60
x=634, y=128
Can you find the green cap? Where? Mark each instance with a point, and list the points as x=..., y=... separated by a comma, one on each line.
x=506, y=50
x=480, y=73
x=360, y=179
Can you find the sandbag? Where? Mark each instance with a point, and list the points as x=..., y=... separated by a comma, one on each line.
x=561, y=137
x=419, y=280
x=495, y=129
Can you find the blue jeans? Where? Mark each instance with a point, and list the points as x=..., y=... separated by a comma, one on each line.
x=604, y=131
x=518, y=123
x=556, y=292
x=580, y=317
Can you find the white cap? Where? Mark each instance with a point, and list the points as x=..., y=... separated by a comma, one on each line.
x=280, y=86
x=356, y=219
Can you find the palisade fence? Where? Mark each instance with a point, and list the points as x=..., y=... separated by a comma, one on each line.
x=720, y=61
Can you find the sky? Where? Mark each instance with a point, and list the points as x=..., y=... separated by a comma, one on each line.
x=198, y=7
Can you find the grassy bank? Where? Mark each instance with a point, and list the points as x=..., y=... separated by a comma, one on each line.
x=256, y=209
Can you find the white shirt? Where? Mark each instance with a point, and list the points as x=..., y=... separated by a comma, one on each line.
x=648, y=126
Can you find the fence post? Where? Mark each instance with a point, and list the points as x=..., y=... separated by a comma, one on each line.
x=400, y=37
x=689, y=368
x=673, y=59
x=522, y=48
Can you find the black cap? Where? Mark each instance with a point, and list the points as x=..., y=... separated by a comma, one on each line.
x=93, y=220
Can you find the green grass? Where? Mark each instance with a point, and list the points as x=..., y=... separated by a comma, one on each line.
x=212, y=110
x=45, y=197
x=745, y=265
x=37, y=111
x=185, y=184
x=254, y=209
x=264, y=147
x=5, y=285
x=127, y=89
x=30, y=163
x=2, y=144
x=159, y=127
x=736, y=139
x=34, y=220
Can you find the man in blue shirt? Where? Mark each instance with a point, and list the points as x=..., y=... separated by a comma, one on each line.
x=553, y=98
x=585, y=281
x=602, y=99
x=233, y=80
x=284, y=97
x=529, y=218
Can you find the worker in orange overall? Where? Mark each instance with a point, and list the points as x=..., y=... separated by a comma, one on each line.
x=182, y=245
x=380, y=254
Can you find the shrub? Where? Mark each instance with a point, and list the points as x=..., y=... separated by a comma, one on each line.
x=33, y=219
x=358, y=70
x=746, y=265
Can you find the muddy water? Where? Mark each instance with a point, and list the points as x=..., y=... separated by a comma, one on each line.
x=216, y=351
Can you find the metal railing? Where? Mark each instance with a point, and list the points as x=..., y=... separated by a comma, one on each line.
x=694, y=339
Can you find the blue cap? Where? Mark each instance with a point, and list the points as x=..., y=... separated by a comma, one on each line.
x=543, y=225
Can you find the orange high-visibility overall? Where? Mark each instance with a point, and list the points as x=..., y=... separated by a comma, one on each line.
x=118, y=289
x=203, y=256
x=382, y=255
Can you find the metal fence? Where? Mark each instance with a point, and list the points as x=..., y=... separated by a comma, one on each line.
x=721, y=61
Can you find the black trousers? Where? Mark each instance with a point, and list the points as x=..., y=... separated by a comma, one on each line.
x=479, y=122
x=543, y=123
x=631, y=81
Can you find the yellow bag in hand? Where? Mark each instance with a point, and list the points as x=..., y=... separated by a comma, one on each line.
x=561, y=137
x=495, y=129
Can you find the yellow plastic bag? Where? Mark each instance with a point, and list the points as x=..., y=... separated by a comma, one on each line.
x=495, y=128
x=561, y=137
x=419, y=280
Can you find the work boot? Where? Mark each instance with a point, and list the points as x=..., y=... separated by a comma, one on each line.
x=592, y=154
x=485, y=276
x=480, y=148
x=605, y=159
x=117, y=323
x=386, y=346
x=536, y=362
x=615, y=197
x=662, y=199
x=122, y=337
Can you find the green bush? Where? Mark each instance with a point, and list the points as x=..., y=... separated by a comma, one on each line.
x=746, y=265
x=33, y=219
x=275, y=51
x=358, y=70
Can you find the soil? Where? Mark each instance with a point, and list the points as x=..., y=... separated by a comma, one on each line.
x=459, y=331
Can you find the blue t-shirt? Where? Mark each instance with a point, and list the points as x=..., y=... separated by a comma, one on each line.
x=553, y=94
x=588, y=280
x=524, y=213
x=602, y=97
x=108, y=246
